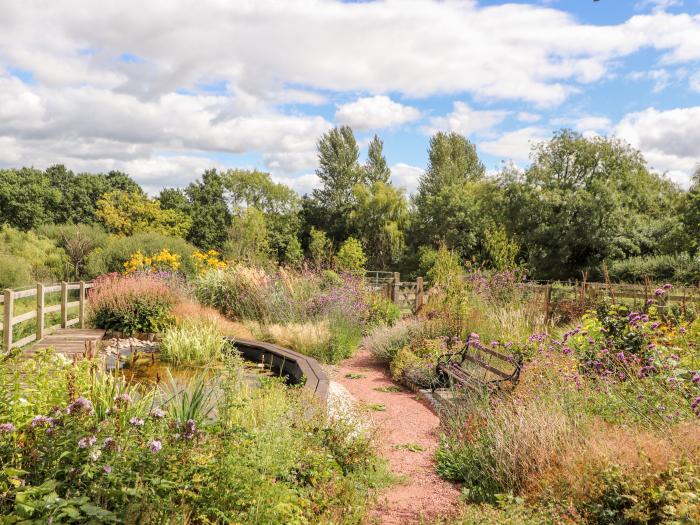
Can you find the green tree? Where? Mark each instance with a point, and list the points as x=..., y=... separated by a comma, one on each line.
x=248, y=238
x=584, y=201
x=351, y=257
x=279, y=203
x=209, y=211
x=175, y=199
x=27, y=198
x=125, y=213
x=690, y=209
x=380, y=216
x=339, y=172
x=320, y=248
x=376, y=167
x=452, y=206
x=293, y=253
x=501, y=249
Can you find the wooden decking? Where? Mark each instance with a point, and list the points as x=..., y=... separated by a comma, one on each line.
x=68, y=341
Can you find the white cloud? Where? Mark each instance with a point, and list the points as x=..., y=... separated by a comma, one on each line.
x=694, y=82
x=658, y=5
x=515, y=145
x=375, y=113
x=243, y=63
x=525, y=116
x=668, y=139
x=593, y=123
x=406, y=176
x=466, y=120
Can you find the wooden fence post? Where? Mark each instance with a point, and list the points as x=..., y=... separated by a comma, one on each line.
x=395, y=288
x=419, y=294
x=7, y=320
x=81, y=308
x=39, y=311
x=64, y=304
x=547, y=302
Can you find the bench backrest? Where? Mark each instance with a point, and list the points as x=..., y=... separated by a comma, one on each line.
x=488, y=365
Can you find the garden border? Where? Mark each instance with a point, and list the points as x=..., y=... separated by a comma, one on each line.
x=298, y=366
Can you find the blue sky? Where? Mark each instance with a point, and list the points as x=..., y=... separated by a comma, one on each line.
x=164, y=91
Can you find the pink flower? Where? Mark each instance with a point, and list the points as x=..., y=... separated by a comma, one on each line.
x=137, y=422
x=157, y=413
x=87, y=442
x=107, y=469
x=154, y=446
x=80, y=406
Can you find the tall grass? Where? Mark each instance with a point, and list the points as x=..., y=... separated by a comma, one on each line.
x=192, y=342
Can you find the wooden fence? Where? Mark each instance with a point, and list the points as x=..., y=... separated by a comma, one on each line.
x=41, y=310
x=413, y=295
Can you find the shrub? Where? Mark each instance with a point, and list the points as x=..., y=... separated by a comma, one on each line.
x=191, y=343
x=351, y=257
x=119, y=250
x=385, y=342
x=382, y=311
x=30, y=258
x=14, y=271
x=681, y=268
x=78, y=241
x=129, y=304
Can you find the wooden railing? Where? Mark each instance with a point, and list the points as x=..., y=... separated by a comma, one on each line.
x=408, y=295
x=10, y=320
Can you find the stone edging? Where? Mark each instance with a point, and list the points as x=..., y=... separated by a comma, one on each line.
x=298, y=366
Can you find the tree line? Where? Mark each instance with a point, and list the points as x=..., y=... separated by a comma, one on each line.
x=583, y=205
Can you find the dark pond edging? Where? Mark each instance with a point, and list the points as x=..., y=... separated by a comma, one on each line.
x=298, y=367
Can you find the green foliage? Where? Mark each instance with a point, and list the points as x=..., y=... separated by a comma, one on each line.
x=293, y=253
x=140, y=303
x=382, y=311
x=443, y=268
x=376, y=167
x=272, y=456
x=78, y=241
x=191, y=343
x=380, y=216
x=31, y=197
x=29, y=258
x=248, y=238
x=209, y=211
x=502, y=250
x=119, y=250
x=339, y=172
x=384, y=343
x=641, y=496
x=583, y=201
x=680, y=268
x=351, y=257
x=124, y=213
x=320, y=248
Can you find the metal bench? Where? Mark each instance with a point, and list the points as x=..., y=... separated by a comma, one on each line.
x=479, y=368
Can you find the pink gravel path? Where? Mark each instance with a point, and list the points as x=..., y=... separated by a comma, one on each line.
x=422, y=495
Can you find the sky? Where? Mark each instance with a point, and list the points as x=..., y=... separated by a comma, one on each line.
x=164, y=89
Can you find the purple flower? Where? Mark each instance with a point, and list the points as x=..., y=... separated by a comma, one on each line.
x=107, y=469
x=695, y=405
x=659, y=292
x=137, y=422
x=41, y=421
x=696, y=378
x=157, y=413
x=667, y=286
x=123, y=398
x=682, y=329
x=80, y=406
x=154, y=446
x=6, y=428
x=110, y=444
x=567, y=350
x=654, y=325
x=190, y=429
x=87, y=442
